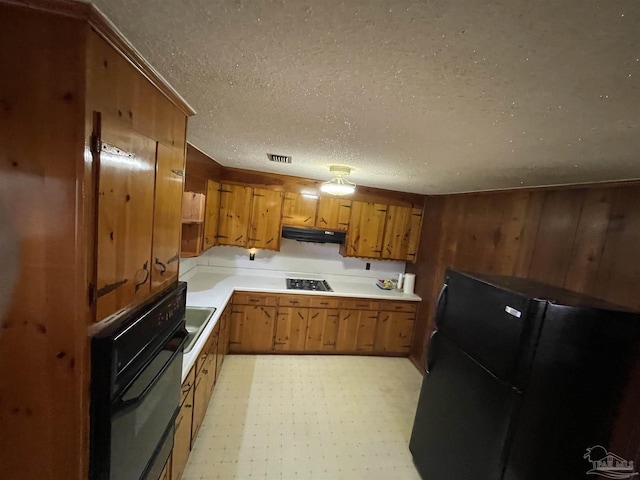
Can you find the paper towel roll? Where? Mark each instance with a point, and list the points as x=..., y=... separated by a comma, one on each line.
x=409, y=282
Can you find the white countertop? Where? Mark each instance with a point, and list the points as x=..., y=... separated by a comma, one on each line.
x=214, y=286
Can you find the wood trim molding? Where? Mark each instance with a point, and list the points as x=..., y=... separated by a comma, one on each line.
x=110, y=33
x=560, y=186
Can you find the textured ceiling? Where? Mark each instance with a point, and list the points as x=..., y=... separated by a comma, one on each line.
x=417, y=96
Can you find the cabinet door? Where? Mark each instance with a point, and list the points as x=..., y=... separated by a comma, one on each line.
x=414, y=235
x=299, y=210
x=356, y=331
x=224, y=334
x=266, y=215
x=235, y=211
x=394, y=333
x=167, y=216
x=182, y=437
x=397, y=233
x=211, y=214
x=366, y=230
x=127, y=163
x=291, y=329
x=322, y=330
x=252, y=328
x=333, y=213
x=200, y=401
x=212, y=359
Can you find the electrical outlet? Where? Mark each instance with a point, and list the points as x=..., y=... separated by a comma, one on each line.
x=367, y=266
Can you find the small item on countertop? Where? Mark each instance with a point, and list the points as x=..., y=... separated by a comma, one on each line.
x=386, y=284
x=400, y=280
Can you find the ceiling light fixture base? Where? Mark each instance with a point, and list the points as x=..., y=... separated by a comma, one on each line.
x=338, y=185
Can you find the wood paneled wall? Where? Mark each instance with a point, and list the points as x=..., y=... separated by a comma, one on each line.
x=584, y=239
x=199, y=168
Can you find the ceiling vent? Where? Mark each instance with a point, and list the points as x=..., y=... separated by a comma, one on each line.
x=278, y=158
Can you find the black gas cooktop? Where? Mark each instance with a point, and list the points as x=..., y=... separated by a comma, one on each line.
x=305, y=284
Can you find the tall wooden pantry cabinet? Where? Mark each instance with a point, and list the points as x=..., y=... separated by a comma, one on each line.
x=92, y=148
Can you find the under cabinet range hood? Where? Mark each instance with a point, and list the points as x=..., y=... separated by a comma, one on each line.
x=312, y=235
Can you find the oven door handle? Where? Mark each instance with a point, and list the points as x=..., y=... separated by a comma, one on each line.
x=120, y=406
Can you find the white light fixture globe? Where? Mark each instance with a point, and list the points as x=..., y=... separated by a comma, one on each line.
x=338, y=185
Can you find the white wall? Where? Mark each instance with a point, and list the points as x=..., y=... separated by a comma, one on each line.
x=296, y=256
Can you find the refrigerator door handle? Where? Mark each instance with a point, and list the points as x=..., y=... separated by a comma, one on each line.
x=440, y=303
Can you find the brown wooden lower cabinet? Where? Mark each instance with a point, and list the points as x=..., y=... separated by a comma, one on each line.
x=199, y=402
x=394, y=333
x=182, y=436
x=322, y=330
x=263, y=323
x=356, y=331
x=252, y=328
x=291, y=329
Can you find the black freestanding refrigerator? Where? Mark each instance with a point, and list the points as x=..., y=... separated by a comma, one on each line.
x=522, y=378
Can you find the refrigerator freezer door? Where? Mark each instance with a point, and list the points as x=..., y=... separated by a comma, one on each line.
x=463, y=420
x=497, y=327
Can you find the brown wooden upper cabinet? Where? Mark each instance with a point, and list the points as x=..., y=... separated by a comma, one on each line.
x=266, y=215
x=249, y=217
x=299, y=210
x=211, y=214
x=390, y=232
x=166, y=216
x=333, y=213
x=366, y=230
x=235, y=214
x=401, y=233
x=127, y=164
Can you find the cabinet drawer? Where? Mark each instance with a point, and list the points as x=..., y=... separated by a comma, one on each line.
x=254, y=299
x=300, y=301
x=358, y=304
x=187, y=385
x=323, y=302
x=410, y=307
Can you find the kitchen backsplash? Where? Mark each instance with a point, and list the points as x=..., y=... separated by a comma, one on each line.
x=296, y=256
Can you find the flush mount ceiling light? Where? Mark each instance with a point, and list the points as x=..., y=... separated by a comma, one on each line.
x=338, y=185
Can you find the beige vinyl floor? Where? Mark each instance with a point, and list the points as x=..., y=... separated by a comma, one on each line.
x=308, y=417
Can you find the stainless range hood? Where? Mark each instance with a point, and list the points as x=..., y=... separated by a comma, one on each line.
x=312, y=235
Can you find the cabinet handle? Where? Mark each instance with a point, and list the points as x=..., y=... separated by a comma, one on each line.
x=110, y=287
x=160, y=266
x=306, y=219
x=145, y=267
x=175, y=258
x=177, y=172
x=301, y=316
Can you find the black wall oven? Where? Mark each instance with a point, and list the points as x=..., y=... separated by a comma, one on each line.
x=136, y=369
